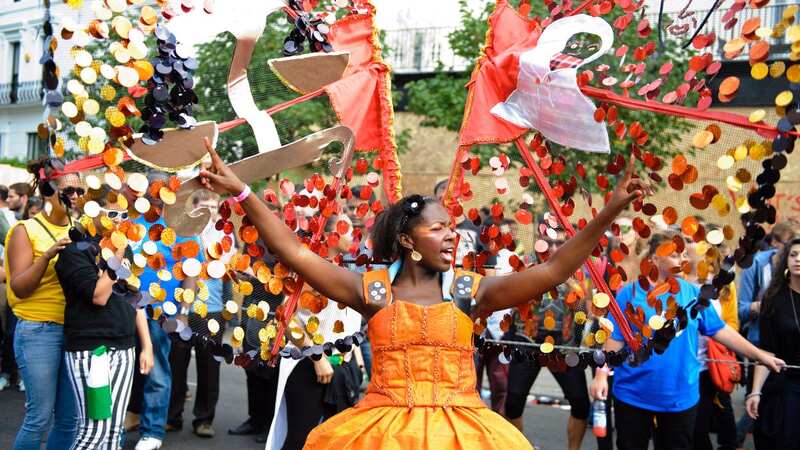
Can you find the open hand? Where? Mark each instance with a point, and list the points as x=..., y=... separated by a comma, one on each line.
x=218, y=177
x=631, y=188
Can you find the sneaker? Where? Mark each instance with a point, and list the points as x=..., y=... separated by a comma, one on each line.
x=3, y=382
x=148, y=443
x=204, y=430
x=131, y=421
x=21, y=386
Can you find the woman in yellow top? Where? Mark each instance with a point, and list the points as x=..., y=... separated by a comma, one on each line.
x=714, y=410
x=36, y=298
x=422, y=392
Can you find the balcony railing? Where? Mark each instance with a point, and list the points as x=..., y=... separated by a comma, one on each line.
x=770, y=17
x=26, y=92
x=421, y=50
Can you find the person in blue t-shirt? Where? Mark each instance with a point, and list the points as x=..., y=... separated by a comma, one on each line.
x=658, y=398
x=151, y=396
x=208, y=368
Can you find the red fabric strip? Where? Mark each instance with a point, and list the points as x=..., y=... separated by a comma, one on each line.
x=598, y=280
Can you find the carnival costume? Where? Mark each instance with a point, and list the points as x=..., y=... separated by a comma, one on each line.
x=422, y=390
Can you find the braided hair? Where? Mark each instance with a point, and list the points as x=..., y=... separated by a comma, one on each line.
x=399, y=218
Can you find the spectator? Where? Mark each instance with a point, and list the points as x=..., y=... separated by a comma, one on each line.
x=714, y=409
x=7, y=218
x=262, y=379
x=33, y=207
x=96, y=315
x=358, y=232
x=665, y=388
x=18, y=194
x=219, y=292
x=153, y=406
x=306, y=395
x=36, y=298
x=8, y=366
x=775, y=400
x=523, y=373
x=753, y=281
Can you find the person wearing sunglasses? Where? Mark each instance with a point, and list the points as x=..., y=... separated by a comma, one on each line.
x=36, y=298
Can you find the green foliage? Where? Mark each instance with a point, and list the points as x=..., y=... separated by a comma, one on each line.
x=13, y=162
x=440, y=99
x=292, y=123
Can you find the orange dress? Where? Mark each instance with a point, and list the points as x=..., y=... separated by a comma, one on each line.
x=422, y=392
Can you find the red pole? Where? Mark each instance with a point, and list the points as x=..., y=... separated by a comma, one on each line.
x=598, y=280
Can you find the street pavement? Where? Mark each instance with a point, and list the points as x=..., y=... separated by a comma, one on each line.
x=545, y=425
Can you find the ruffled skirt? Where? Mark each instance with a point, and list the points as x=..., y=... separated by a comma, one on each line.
x=420, y=427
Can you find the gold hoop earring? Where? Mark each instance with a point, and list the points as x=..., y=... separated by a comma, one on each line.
x=416, y=256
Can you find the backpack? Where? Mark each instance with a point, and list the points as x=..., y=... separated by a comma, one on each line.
x=724, y=370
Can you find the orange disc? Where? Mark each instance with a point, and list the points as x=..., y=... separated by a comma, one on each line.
x=679, y=165
x=750, y=26
x=670, y=215
x=759, y=52
x=729, y=86
x=716, y=131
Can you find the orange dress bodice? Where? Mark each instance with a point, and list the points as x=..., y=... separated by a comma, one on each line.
x=422, y=392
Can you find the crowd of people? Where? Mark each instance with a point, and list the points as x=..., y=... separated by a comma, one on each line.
x=61, y=313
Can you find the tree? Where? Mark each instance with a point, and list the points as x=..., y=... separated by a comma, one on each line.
x=211, y=77
x=437, y=98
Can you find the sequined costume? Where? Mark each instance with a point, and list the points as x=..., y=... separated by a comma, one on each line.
x=422, y=390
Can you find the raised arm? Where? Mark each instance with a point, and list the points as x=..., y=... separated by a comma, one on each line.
x=512, y=290
x=330, y=280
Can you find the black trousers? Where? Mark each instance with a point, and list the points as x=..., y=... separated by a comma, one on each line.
x=670, y=431
x=261, y=393
x=304, y=404
x=522, y=375
x=207, y=394
x=714, y=414
x=8, y=363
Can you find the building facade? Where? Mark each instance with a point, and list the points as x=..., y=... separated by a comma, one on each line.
x=21, y=108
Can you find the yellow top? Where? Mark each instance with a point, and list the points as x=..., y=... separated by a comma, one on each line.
x=730, y=310
x=46, y=303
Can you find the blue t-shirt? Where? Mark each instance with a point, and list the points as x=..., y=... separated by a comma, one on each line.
x=214, y=302
x=669, y=382
x=149, y=275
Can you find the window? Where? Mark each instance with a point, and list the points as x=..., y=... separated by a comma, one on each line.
x=14, y=70
x=36, y=147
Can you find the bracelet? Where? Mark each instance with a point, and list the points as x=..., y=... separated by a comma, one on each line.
x=753, y=394
x=243, y=195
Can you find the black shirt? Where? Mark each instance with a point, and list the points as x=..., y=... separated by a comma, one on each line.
x=86, y=325
x=780, y=332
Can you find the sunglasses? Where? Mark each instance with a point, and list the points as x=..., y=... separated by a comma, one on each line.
x=113, y=214
x=69, y=190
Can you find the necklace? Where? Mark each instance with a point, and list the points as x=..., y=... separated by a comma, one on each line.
x=794, y=309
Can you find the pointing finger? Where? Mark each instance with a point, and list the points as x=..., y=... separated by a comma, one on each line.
x=213, y=152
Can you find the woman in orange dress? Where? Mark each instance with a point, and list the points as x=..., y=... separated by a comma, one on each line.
x=422, y=390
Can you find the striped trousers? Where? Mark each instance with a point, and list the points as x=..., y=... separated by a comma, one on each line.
x=102, y=434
